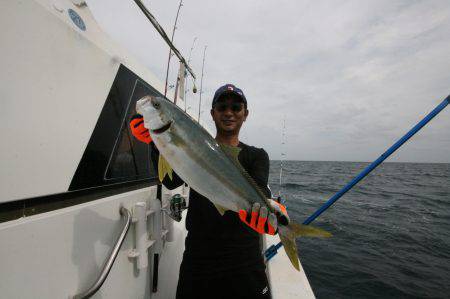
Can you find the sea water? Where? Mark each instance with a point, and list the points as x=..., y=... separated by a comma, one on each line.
x=391, y=232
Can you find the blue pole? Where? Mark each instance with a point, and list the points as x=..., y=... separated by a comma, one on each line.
x=272, y=250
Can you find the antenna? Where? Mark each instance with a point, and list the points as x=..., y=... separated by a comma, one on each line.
x=283, y=134
x=163, y=34
x=201, y=86
x=170, y=51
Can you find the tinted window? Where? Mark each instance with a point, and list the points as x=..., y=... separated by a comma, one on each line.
x=131, y=158
x=113, y=155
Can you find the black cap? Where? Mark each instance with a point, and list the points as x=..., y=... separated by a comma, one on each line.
x=229, y=89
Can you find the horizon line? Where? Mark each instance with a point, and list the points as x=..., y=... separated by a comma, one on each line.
x=360, y=161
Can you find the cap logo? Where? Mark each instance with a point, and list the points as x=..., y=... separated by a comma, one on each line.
x=230, y=88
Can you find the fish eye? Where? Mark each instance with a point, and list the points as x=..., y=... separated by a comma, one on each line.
x=156, y=105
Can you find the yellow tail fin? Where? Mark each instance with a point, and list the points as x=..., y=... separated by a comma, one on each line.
x=293, y=230
x=164, y=168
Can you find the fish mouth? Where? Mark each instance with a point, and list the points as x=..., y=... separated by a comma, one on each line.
x=162, y=129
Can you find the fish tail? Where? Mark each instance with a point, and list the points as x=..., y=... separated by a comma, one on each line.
x=293, y=230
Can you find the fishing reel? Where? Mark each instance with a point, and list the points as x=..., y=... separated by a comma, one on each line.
x=177, y=205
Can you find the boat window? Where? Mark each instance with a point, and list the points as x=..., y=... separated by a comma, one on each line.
x=131, y=158
x=113, y=155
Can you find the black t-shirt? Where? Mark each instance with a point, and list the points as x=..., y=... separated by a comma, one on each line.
x=215, y=243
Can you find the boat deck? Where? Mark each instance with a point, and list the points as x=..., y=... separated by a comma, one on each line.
x=286, y=282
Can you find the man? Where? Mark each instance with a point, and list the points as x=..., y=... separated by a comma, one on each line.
x=223, y=254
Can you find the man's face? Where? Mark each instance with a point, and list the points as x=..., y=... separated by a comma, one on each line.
x=229, y=114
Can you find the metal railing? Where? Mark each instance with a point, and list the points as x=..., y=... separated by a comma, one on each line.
x=107, y=267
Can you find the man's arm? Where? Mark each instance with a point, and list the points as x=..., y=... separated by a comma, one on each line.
x=260, y=171
x=259, y=218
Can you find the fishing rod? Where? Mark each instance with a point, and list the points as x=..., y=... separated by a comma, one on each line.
x=272, y=250
x=283, y=134
x=194, y=89
x=201, y=86
x=282, y=155
x=170, y=49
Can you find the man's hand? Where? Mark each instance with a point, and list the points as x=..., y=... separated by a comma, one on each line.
x=138, y=130
x=280, y=212
x=261, y=220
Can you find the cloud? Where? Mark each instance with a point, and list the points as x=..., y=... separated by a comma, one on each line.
x=349, y=77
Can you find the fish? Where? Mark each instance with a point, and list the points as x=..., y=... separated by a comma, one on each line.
x=210, y=168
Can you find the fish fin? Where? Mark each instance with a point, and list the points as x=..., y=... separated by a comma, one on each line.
x=301, y=230
x=290, y=232
x=231, y=151
x=164, y=168
x=289, y=245
x=220, y=209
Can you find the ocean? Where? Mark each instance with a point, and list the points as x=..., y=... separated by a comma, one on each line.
x=391, y=232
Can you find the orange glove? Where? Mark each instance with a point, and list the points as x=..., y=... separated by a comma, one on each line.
x=138, y=130
x=259, y=220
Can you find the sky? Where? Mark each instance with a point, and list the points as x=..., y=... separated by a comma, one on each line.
x=349, y=78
